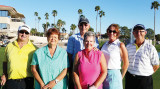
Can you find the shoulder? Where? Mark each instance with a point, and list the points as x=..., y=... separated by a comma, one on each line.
x=74, y=36
x=60, y=49
x=39, y=50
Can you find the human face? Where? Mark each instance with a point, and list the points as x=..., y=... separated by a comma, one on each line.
x=89, y=43
x=139, y=34
x=23, y=35
x=53, y=39
x=83, y=27
x=112, y=34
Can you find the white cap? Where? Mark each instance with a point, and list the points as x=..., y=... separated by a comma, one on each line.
x=24, y=27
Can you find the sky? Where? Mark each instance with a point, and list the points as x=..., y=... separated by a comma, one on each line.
x=123, y=12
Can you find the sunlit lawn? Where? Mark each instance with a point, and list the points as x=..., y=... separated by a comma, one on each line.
x=156, y=76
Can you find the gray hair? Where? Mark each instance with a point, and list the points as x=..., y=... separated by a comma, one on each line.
x=89, y=33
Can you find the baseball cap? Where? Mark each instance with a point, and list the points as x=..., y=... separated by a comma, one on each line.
x=24, y=27
x=139, y=26
x=83, y=20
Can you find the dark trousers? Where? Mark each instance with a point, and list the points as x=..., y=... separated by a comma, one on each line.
x=138, y=82
x=26, y=83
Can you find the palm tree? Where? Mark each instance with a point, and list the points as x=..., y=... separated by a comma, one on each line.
x=63, y=30
x=155, y=5
x=45, y=26
x=54, y=12
x=59, y=24
x=73, y=27
x=97, y=8
x=35, y=14
x=39, y=18
x=80, y=12
x=101, y=14
x=46, y=17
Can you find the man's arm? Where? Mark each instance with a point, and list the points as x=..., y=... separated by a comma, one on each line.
x=4, y=76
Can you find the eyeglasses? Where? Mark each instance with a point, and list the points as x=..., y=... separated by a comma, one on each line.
x=22, y=32
x=110, y=31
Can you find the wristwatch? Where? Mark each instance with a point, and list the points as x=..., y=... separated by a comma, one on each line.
x=56, y=81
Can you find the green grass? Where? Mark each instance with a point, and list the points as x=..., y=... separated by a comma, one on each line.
x=158, y=47
x=156, y=76
x=1, y=58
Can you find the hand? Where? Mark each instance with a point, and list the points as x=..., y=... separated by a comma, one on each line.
x=92, y=87
x=3, y=78
x=50, y=85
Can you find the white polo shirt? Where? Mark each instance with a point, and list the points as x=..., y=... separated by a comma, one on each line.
x=142, y=59
x=112, y=54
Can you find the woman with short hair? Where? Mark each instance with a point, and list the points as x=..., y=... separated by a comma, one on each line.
x=89, y=68
x=50, y=63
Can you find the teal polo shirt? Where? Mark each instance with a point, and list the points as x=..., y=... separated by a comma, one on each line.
x=50, y=67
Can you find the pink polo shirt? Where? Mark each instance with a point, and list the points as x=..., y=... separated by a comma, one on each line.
x=89, y=68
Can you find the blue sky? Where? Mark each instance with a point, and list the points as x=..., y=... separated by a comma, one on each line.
x=123, y=12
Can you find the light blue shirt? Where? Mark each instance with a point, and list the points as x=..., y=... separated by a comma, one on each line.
x=50, y=67
x=75, y=44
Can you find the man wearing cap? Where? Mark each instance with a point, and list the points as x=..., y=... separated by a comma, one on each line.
x=75, y=44
x=16, y=66
x=143, y=61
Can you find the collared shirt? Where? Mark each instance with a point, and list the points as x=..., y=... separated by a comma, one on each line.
x=18, y=60
x=142, y=60
x=75, y=44
x=112, y=54
x=89, y=67
x=50, y=67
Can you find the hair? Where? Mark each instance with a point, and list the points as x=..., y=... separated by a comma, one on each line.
x=116, y=29
x=89, y=33
x=53, y=31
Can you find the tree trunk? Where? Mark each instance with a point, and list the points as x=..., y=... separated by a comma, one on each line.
x=154, y=24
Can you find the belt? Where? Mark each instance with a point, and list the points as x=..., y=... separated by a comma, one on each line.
x=19, y=80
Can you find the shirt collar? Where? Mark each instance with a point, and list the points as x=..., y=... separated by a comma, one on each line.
x=115, y=42
x=46, y=51
x=16, y=43
x=79, y=35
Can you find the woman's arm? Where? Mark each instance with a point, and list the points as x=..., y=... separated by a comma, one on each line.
x=103, y=74
x=52, y=83
x=75, y=72
x=36, y=75
x=124, y=56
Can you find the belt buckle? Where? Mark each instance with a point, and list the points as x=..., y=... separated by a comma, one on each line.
x=134, y=75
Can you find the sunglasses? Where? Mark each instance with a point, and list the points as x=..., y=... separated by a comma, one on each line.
x=110, y=31
x=22, y=32
x=85, y=24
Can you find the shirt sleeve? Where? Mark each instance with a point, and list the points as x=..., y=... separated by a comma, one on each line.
x=34, y=59
x=70, y=45
x=66, y=61
x=154, y=57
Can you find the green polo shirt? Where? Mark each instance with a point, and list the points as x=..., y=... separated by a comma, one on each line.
x=51, y=67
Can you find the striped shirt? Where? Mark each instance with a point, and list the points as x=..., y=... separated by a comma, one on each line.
x=142, y=60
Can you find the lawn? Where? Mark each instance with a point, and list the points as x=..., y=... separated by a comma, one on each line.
x=156, y=76
x=1, y=58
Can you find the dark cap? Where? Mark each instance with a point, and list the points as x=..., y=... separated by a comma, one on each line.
x=83, y=20
x=139, y=27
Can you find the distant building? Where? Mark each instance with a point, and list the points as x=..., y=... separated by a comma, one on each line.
x=64, y=36
x=10, y=20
